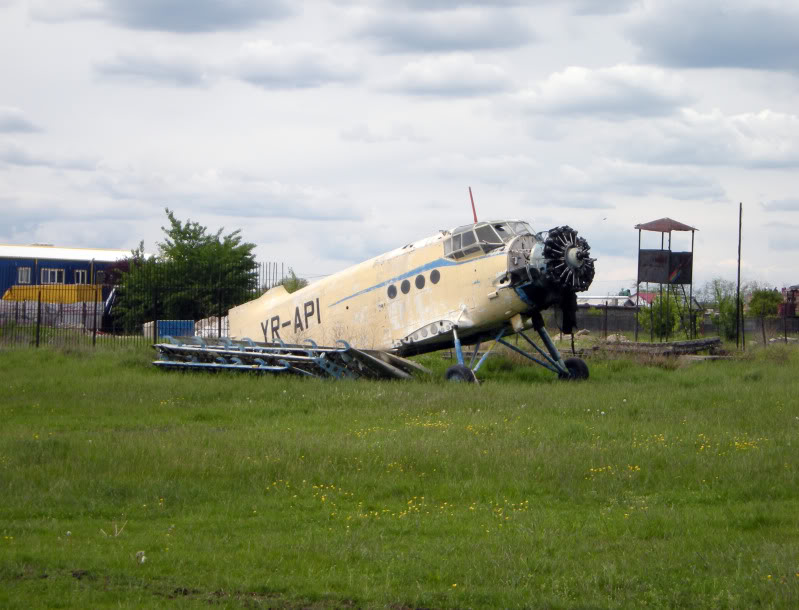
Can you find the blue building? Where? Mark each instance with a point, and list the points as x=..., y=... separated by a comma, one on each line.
x=58, y=274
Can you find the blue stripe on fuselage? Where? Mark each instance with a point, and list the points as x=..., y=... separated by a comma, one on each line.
x=441, y=262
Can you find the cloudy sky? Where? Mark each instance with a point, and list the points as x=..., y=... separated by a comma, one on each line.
x=330, y=131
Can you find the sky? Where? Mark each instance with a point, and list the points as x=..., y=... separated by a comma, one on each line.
x=331, y=131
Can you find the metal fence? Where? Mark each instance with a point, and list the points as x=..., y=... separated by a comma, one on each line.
x=138, y=306
x=604, y=321
x=148, y=302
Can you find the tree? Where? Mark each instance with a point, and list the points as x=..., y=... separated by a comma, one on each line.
x=218, y=271
x=137, y=295
x=195, y=275
x=719, y=294
x=292, y=283
x=662, y=317
x=764, y=302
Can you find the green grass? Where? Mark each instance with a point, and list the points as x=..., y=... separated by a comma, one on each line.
x=654, y=485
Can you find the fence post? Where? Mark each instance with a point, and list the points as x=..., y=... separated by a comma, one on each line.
x=94, y=330
x=743, y=330
x=38, y=316
x=606, y=320
x=785, y=322
x=219, y=306
x=155, y=305
x=652, y=322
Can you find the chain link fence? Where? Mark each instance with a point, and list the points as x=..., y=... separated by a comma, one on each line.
x=137, y=306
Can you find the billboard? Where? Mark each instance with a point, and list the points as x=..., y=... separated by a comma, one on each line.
x=664, y=267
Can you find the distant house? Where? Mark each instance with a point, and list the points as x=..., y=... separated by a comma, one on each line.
x=54, y=274
x=790, y=297
x=644, y=299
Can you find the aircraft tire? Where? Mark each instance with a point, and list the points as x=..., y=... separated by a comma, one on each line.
x=577, y=368
x=461, y=374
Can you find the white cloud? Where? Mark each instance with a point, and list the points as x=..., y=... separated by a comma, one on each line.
x=183, y=16
x=458, y=30
x=616, y=93
x=301, y=65
x=765, y=139
x=594, y=185
x=349, y=245
x=781, y=205
x=490, y=169
x=65, y=10
x=14, y=120
x=261, y=63
x=602, y=7
x=758, y=34
x=641, y=180
x=177, y=69
x=786, y=241
x=580, y=7
x=449, y=75
x=13, y=154
x=224, y=193
x=447, y=5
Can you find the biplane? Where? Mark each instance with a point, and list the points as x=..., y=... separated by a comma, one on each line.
x=475, y=283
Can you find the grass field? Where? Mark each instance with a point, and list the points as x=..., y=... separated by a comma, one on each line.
x=650, y=485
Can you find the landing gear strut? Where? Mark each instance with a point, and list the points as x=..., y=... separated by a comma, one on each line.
x=570, y=369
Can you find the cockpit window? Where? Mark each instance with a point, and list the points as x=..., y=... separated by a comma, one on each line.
x=472, y=239
x=488, y=238
x=522, y=228
x=504, y=230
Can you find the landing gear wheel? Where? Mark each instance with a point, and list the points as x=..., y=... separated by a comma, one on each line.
x=577, y=368
x=461, y=373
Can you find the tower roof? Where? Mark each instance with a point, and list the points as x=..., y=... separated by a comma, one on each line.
x=664, y=225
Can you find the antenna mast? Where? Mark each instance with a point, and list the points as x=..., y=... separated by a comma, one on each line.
x=474, y=212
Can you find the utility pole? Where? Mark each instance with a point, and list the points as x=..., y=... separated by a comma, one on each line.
x=738, y=309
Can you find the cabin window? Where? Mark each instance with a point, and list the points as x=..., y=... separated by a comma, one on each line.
x=52, y=276
x=23, y=275
x=80, y=276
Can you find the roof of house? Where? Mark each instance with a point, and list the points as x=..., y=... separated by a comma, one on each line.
x=49, y=252
x=664, y=225
x=647, y=297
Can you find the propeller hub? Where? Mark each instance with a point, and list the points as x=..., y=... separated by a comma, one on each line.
x=574, y=257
